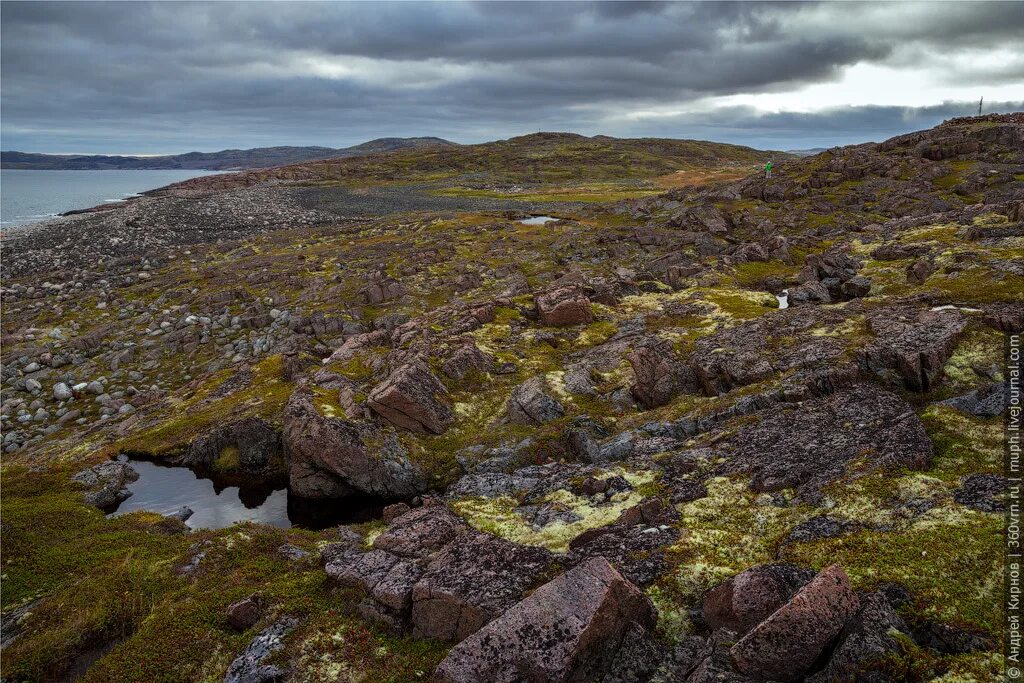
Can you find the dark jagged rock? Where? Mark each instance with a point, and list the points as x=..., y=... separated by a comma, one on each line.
x=414, y=399
x=660, y=376
x=568, y=629
x=982, y=492
x=988, y=401
x=786, y=644
x=257, y=443
x=914, y=345
x=328, y=458
x=635, y=543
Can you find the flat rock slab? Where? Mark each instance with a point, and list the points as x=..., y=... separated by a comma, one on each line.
x=569, y=629
x=786, y=644
x=810, y=444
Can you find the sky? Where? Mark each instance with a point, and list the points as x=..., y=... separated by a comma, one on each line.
x=171, y=77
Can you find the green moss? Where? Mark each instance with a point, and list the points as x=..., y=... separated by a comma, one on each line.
x=953, y=567
x=228, y=460
x=754, y=273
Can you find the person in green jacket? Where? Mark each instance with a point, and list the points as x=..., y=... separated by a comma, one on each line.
x=768, y=169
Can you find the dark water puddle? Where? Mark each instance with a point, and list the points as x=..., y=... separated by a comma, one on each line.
x=214, y=505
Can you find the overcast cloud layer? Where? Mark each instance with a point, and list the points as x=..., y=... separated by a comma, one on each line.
x=173, y=77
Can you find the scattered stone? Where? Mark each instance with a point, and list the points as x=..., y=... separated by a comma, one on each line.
x=244, y=614
x=248, y=667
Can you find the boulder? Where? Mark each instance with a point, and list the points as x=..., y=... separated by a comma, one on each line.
x=913, y=345
x=255, y=443
x=569, y=629
x=868, y=637
x=920, y=270
x=660, y=376
x=784, y=646
x=988, y=401
x=421, y=532
x=563, y=306
x=413, y=398
x=328, y=458
x=245, y=613
x=472, y=581
x=529, y=404
x=743, y=601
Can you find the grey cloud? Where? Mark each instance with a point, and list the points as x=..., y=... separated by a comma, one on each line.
x=170, y=76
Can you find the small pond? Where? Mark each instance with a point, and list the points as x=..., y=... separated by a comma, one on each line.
x=538, y=220
x=166, y=490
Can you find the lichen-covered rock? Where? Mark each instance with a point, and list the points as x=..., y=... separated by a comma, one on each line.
x=564, y=306
x=328, y=457
x=413, y=398
x=470, y=582
x=786, y=644
x=531, y=404
x=569, y=629
x=421, y=532
x=810, y=444
x=248, y=667
x=108, y=481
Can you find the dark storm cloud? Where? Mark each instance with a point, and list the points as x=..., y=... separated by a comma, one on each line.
x=170, y=76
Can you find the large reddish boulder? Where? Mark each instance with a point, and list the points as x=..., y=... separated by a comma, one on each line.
x=472, y=581
x=569, y=629
x=784, y=646
x=328, y=458
x=564, y=306
x=745, y=600
x=414, y=399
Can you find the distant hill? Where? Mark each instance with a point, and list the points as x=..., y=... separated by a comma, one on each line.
x=228, y=159
x=806, y=152
x=534, y=158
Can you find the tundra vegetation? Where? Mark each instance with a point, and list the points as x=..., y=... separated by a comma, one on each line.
x=603, y=422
